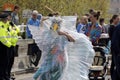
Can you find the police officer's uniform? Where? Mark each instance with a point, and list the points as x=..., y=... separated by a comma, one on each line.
x=14, y=30
x=5, y=44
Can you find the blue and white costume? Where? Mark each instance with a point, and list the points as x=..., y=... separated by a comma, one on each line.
x=62, y=60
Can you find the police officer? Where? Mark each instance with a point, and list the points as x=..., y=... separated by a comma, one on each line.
x=14, y=30
x=5, y=44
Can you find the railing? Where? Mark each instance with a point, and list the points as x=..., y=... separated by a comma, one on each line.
x=22, y=60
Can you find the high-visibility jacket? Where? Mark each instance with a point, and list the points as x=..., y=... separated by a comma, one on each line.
x=5, y=37
x=14, y=27
x=14, y=30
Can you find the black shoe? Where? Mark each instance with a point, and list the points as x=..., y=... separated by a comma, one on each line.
x=12, y=78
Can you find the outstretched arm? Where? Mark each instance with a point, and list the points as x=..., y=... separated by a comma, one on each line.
x=67, y=35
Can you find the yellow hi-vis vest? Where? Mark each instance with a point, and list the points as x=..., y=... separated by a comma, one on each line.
x=14, y=30
x=5, y=35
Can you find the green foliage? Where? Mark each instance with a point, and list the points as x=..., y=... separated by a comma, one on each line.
x=65, y=7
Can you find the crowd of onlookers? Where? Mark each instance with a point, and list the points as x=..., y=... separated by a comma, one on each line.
x=93, y=26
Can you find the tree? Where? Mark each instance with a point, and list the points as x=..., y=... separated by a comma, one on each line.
x=65, y=7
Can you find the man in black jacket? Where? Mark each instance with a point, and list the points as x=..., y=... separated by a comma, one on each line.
x=115, y=49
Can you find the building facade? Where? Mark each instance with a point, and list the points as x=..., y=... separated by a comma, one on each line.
x=115, y=6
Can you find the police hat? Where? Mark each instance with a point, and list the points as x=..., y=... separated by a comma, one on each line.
x=3, y=15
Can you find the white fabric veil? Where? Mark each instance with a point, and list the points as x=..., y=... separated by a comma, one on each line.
x=78, y=55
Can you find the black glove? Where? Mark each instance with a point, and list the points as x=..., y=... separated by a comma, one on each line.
x=12, y=24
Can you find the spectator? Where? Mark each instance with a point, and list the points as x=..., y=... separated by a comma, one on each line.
x=56, y=14
x=115, y=49
x=88, y=14
x=39, y=17
x=102, y=23
x=107, y=27
x=94, y=30
x=34, y=22
x=33, y=49
x=50, y=15
x=91, y=11
x=114, y=22
x=77, y=22
x=81, y=26
x=14, y=15
x=88, y=17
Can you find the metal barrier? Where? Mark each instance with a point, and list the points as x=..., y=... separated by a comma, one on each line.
x=22, y=62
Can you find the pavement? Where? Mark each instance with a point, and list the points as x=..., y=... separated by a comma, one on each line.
x=27, y=76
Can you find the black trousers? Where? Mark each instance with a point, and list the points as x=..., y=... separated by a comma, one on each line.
x=33, y=50
x=115, y=66
x=11, y=57
x=112, y=66
x=3, y=61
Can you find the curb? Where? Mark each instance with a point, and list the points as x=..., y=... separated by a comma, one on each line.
x=23, y=71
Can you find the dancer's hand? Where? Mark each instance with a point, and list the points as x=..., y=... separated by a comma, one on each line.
x=67, y=35
x=61, y=33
